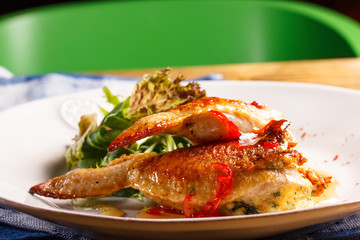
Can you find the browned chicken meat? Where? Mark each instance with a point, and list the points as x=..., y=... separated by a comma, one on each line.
x=219, y=178
x=203, y=120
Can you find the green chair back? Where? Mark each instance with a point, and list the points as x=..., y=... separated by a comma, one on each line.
x=108, y=35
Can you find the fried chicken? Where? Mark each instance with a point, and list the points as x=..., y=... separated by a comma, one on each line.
x=223, y=177
x=203, y=120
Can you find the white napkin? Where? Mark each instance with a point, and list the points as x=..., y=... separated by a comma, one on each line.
x=19, y=89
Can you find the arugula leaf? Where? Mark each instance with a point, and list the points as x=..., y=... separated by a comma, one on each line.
x=246, y=208
x=118, y=118
x=126, y=192
x=114, y=100
x=95, y=146
x=155, y=144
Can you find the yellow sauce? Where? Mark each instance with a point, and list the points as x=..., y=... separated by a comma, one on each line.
x=96, y=204
x=329, y=195
x=108, y=210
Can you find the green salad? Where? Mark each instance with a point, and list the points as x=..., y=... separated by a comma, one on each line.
x=152, y=94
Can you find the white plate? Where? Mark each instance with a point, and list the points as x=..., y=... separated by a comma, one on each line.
x=325, y=119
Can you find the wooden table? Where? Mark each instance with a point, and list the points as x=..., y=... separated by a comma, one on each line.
x=343, y=72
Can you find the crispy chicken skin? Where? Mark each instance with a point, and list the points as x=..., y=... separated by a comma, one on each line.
x=197, y=122
x=265, y=167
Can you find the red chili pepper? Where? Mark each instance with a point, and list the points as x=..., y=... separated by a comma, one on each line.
x=303, y=135
x=224, y=181
x=210, y=209
x=233, y=130
x=264, y=128
x=187, y=205
x=270, y=145
x=258, y=105
x=328, y=179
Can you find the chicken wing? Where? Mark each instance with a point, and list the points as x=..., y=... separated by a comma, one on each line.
x=203, y=120
x=223, y=175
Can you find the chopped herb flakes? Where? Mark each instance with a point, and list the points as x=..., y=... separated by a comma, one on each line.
x=277, y=194
x=247, y=208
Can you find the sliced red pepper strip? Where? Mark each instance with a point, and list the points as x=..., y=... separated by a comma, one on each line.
x=210, y=209
x=257, y=105
x=224, y=181
x=187, y=205
x=233, y=131
x=264, y=128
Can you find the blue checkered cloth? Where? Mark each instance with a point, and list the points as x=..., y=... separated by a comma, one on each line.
x=16, y=225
